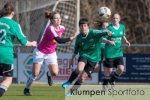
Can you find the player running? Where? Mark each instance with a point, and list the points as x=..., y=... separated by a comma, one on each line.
x=88, y=46
x=46, y=49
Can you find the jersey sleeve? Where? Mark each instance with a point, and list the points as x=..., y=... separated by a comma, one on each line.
x=101, y=32
x=124, y=34
x=53, y=31
x=19, y=35
x=56, y=37
x=105, y=37
x=62, y=29
x=62, y=40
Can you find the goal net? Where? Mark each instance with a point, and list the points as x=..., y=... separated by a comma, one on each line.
x=30, y=15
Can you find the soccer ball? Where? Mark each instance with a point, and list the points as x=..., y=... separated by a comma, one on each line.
x=104, y=12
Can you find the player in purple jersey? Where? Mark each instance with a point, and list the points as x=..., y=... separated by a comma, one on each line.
x=46, y=49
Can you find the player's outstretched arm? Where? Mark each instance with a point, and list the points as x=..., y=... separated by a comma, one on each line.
x=33, y=43
x=112, y=43
x=74, y=36
x=64, y=40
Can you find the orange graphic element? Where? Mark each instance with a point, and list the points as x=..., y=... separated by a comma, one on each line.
x=54, y=41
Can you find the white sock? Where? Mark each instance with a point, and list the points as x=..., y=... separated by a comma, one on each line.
x=3, y=87
x=30, y=81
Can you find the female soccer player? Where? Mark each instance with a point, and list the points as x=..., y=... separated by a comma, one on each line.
x=9, y=30
x=101, y=25
x=88, y=46
x=114, y=52
x=45, y=50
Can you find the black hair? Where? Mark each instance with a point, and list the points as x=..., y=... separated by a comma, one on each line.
x=83, y=21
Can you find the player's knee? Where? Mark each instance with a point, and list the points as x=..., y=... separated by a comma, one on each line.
x=121, y=69
x=78, y=70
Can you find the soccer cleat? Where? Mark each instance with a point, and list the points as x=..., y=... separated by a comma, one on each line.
x=112, y=84
x=27, y=92
x=2, y=92
x=105, y=87
x=49, y=79
x=66, y=84
x=68, y=94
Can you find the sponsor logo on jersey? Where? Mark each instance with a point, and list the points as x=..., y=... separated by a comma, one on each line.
x=121, y=33
x=91, y=40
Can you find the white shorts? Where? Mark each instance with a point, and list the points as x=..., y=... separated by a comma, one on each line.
x=39, y=57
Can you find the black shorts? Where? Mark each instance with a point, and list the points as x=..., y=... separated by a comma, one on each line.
x=6, y=70
x=102, y=56
x=89, y=66
x=113, y=62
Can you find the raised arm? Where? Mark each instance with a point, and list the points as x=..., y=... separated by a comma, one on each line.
x=102, y=32
x=108, y=42
x=59, y=39
x=33, y=43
